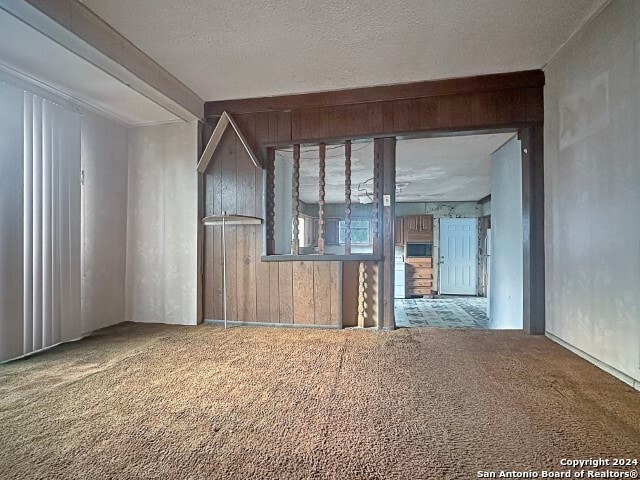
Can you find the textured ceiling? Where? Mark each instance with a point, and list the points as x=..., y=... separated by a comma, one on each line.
x=248, y=48
x=446, y=169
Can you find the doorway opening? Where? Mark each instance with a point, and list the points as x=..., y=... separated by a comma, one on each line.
x=455, y=196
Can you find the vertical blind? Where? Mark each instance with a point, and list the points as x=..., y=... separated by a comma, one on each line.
x=40, y=216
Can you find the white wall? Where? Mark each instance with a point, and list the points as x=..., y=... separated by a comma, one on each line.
x=162, y=224
x=11, y=221
x=505, y=297
x=592, y=190
x=104, y=232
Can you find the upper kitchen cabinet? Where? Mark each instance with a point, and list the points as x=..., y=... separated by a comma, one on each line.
x=418, y=228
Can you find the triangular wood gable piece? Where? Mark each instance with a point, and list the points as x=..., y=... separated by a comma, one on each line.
x=212, y=144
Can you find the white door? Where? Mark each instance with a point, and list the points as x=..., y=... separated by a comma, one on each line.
x=459, y=256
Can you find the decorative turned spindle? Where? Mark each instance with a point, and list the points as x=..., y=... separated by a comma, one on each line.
x=361, y=298
x=347, y=197
x=321, y=185
x=295, y=200
x=271, y=200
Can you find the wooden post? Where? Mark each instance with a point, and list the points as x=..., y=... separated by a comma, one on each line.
x=295, y=201
x=386, y=149
x=532, y=145
x=321, y=185
x=271, y=200
x=347, y=197
x=361, y=289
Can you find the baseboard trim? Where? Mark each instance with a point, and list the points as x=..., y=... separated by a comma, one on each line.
x=236, y=323
x=632, y=382
x=24, y=356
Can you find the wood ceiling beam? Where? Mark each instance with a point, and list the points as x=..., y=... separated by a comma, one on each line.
x=483, y=83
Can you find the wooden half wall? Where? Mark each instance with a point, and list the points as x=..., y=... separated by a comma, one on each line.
x=307, y=293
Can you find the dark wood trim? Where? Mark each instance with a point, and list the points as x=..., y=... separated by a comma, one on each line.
x=430, y=88
x=462, y=131
x=363, y=257
x=387, y=148
x=200, y=234
x=484, y=200
x=347, y=199
x=532, y=151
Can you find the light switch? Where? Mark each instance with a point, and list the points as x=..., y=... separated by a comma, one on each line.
x=386, y=200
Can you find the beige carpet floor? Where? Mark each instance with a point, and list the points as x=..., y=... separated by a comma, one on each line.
x=162, y=402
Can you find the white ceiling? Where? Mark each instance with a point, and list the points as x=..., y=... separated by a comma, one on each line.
x=249, y=48
x=445, y=169
x=35, y=57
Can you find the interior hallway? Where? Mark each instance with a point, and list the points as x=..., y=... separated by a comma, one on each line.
x=154, y=401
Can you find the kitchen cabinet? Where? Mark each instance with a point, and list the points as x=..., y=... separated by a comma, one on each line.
x=418, y=228
x=418, y=276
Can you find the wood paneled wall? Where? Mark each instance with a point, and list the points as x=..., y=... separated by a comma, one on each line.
x=276, y=292
x=488, y=102
x=512, y=101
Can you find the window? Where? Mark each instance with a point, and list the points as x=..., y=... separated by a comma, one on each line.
x=360, y=232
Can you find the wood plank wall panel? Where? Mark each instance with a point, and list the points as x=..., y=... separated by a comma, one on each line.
x=229, y=205
x=262, y=269
x=480, y=110
x=321, y=292
x=303, y=293
x=284, y=126
x=375, y=117
x=274, y=292
x=337, y=121
x=246, y=235
x=285, y=286
x=534, y=104
x=216, y=267
x=433, y=88
x=284, y=292
x=208, y=253
x=335, y=289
